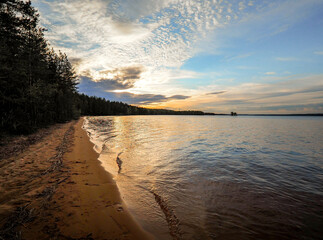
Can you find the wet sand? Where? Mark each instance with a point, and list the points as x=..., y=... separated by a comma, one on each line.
x=57, y=189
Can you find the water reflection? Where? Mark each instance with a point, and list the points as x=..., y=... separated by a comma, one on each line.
x=221, y=177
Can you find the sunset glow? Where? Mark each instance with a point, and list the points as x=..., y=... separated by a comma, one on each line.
x=215, y=56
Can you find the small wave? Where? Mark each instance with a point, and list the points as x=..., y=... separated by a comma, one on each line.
x=104, y=147
x=109, y=137
x=172, y=220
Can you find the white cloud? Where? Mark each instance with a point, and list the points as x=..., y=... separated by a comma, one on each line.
x=241, y=6
x=319, y=53
x=159, y=34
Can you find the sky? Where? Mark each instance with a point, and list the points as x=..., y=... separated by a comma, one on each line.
x=248, y=56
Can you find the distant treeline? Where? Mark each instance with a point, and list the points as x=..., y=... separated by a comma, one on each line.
x=99, y=106
x=38, y=86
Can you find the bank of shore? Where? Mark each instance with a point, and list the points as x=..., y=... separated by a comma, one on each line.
x=57, y=189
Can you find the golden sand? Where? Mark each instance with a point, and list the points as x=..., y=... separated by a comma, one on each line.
x=58, y=189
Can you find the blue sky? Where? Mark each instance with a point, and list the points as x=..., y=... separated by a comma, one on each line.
x=216, y=56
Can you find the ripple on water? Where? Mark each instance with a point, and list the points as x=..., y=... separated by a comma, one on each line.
x=206, y=177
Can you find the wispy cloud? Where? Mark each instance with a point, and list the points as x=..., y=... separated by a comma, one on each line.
x=216, y=93
x=293, y=94
x=239, y=56
x=319, y=53
x=286, y=59
x=265, y=19
x=146, y=99
x=270, y=73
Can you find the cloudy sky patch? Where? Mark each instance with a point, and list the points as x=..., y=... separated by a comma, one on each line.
x=174, y=53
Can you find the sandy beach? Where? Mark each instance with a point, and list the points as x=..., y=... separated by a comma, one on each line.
x=57, y=189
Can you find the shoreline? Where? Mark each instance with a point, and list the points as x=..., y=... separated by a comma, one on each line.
x=101, y=210
x=57, y=188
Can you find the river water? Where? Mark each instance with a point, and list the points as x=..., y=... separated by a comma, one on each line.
x=216, y=177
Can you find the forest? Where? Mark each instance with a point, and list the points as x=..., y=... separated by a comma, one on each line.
x=39, y=85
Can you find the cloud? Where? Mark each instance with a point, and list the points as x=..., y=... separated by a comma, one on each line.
x=292, y=94
x=139, y=46
x=270, y=73
x=289, y=95
x=240, y=56
x=309, y=108
x=115, y=79
x=319, y=53
x=147, y=99
x=136, y=9
x=124, y=73
x=216, y=93
x=258, y=20
x=152, y=33
x=75, y=61
x=250, y=3
x=289, y=92
x=104, y=88
x=286, y=59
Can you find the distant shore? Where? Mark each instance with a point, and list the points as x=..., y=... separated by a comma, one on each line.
x=291, y=115
x=269, y=115
x=56, y=188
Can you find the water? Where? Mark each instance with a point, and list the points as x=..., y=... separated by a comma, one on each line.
x=217, y=177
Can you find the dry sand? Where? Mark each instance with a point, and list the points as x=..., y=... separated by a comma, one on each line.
x=57, y=189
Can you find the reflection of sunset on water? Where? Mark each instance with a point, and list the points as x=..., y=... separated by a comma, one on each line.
x=218, y=176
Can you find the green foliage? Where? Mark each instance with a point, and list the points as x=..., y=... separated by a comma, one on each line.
x=38, y=86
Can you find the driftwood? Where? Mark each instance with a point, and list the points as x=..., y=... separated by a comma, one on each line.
x=60, y=150
x=19, y=217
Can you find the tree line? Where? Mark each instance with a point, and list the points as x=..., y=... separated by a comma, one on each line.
x=38, y=86
x=96, y=106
